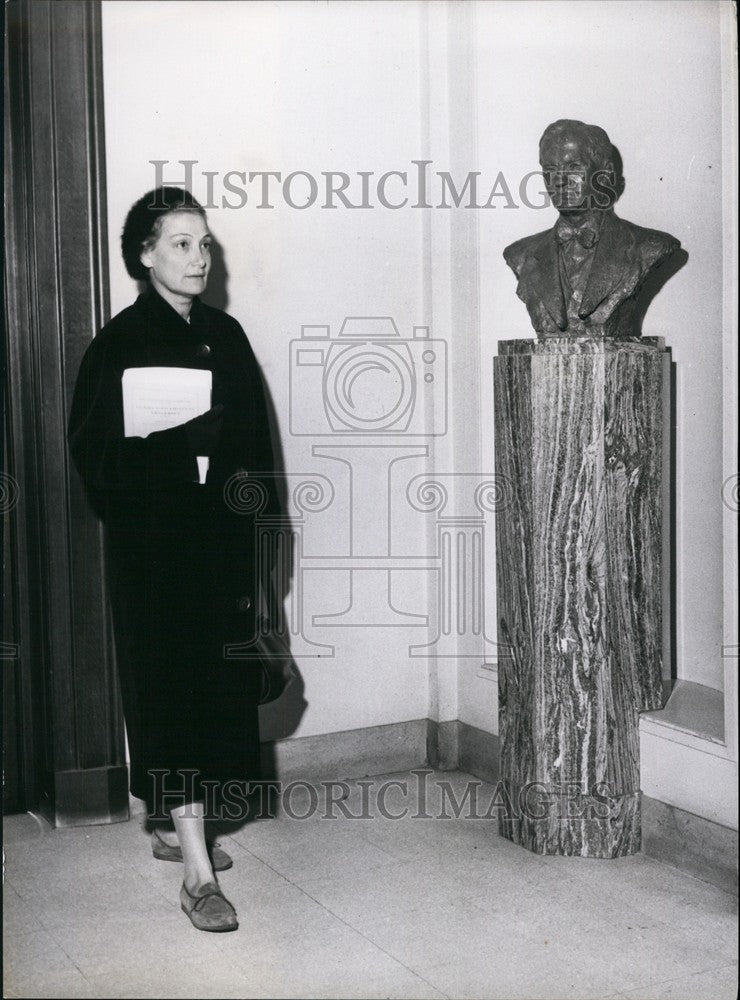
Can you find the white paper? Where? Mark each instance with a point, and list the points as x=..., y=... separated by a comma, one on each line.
x=155, y=399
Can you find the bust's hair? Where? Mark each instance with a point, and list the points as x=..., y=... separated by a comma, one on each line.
x=595, y=140
x=144, y=223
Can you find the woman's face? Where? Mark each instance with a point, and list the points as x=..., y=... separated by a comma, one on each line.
x=180, y=260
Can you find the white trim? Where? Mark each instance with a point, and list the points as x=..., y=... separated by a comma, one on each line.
x=693, y=779
x=653, y=726
x=728, y=38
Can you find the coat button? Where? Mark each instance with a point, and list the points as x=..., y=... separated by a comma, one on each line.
x=203, y=351
x=244, y=603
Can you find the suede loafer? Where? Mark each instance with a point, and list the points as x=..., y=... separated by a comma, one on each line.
x=220, y=860
x=209, y=909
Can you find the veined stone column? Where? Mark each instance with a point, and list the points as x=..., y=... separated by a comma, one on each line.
x=580, y=438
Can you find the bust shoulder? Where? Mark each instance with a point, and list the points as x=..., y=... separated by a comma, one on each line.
x=652, y=245
x=516, y=254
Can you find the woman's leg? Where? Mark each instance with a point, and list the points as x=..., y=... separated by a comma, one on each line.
x=190, y=830
x=167, y=836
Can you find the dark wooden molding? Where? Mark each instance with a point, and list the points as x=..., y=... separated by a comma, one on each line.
x=56, y=299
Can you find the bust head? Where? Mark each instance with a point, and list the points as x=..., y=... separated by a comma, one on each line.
x=577, y=161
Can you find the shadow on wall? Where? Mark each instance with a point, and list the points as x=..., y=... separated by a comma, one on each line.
x=217, y=293
x=654, y=283
x=661, y=275
x=281, y=717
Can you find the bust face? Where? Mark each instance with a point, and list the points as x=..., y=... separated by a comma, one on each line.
x=569, y=173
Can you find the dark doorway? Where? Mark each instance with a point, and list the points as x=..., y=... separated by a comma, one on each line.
x=65, y=746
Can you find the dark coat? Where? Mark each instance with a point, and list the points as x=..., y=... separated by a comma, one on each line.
x=625, y=254
x=182, y=567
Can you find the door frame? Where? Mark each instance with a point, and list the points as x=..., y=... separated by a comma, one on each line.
x=70, y=726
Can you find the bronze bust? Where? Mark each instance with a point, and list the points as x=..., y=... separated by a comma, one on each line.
x=582, y=277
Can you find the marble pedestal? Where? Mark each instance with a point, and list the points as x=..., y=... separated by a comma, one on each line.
x=580, y=450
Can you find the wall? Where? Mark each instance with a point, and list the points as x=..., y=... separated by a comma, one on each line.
x=372, y=87
x=662, y=107
x=297, y=87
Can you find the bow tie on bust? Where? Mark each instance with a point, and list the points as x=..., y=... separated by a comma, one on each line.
x=587, y=234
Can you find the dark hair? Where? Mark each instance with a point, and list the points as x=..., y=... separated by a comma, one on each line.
x=595, y=140
x=144, y=223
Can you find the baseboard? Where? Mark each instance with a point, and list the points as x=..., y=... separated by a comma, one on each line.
x=692, y=843
x=684, y=760
x=91, y=796
x=443, y=745
x=400, y=746
x=354, y=753
x=478, y=752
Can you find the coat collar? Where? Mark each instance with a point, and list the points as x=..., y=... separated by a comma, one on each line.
x=168, y=319
x=610, y=262
x=548, y=273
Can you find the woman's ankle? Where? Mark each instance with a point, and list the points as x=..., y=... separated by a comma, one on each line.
x=195, y=880
x=168, y=837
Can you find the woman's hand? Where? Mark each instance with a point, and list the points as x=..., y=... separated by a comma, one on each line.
x=204, y=431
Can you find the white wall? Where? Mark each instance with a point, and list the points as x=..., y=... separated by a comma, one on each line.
x=298, y=86
x=649, y=73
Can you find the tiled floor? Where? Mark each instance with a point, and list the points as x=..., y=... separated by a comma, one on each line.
x=365, y=907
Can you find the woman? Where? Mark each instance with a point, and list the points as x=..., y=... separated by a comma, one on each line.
x=182, y=562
